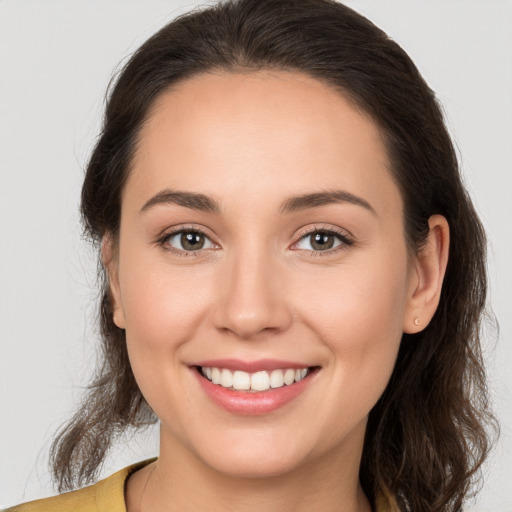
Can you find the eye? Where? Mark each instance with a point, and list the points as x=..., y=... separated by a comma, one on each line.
x=321, y=240
x=188, y=240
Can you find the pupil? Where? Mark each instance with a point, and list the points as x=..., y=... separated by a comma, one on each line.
x=192, y=241
x=322, y=241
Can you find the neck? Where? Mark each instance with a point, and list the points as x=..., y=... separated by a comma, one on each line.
x=180, y=481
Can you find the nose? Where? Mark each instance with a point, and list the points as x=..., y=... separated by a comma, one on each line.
x=252, y=299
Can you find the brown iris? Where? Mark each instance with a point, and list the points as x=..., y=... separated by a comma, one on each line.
x=322, y=241
x=192, y=241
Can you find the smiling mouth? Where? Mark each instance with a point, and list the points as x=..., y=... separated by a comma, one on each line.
x=256, y=382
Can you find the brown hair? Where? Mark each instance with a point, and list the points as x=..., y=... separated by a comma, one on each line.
x=426, y=437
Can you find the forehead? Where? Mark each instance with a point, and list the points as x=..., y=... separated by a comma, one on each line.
x=275, y=131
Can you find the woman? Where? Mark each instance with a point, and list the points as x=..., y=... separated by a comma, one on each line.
x=294, y=275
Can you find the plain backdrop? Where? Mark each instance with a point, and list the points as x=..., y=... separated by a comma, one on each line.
x=56, y=59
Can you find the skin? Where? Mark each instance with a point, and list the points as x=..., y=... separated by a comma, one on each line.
x=259, y=289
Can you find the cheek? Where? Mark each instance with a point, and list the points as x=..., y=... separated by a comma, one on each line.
x=163, y=307
x=359, y=303
x=162, y=304
x=358, y=316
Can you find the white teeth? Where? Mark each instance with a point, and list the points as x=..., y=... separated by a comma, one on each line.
x=215, y=375
x=289, y=376
x=277, y=379
x=258, y=381
x=241, y=380
x=226, y=378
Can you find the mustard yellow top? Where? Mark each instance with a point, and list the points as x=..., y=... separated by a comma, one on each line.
x=105, y=496
x=108, y=496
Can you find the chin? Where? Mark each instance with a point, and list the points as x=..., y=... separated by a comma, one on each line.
x=266, y=456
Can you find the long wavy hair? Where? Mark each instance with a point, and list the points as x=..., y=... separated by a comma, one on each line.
x=427, y=436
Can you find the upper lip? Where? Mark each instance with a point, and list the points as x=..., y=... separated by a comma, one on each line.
x=251, y=366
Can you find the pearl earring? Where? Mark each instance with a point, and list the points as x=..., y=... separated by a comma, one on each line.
x=416, y=321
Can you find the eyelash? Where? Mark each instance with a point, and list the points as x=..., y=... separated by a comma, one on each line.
x=345, y=239
x=162, y=241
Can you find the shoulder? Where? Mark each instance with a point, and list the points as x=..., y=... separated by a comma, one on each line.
x=107, y=494
x=82, y=500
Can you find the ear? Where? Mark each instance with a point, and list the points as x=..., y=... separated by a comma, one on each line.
x=428, y=272
x=109, y=258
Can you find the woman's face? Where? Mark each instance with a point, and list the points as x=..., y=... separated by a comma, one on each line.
x=261, y=234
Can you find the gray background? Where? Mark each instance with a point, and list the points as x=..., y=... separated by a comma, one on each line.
x=56, y=58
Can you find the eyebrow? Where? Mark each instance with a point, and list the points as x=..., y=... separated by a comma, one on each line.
x=204, y=203
x=191, y=200
x=324, y=198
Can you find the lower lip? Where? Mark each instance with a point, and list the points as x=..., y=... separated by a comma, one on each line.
x=252, y=404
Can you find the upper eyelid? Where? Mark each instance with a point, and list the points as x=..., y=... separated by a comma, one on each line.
x=343, y=233
x=183, y=227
